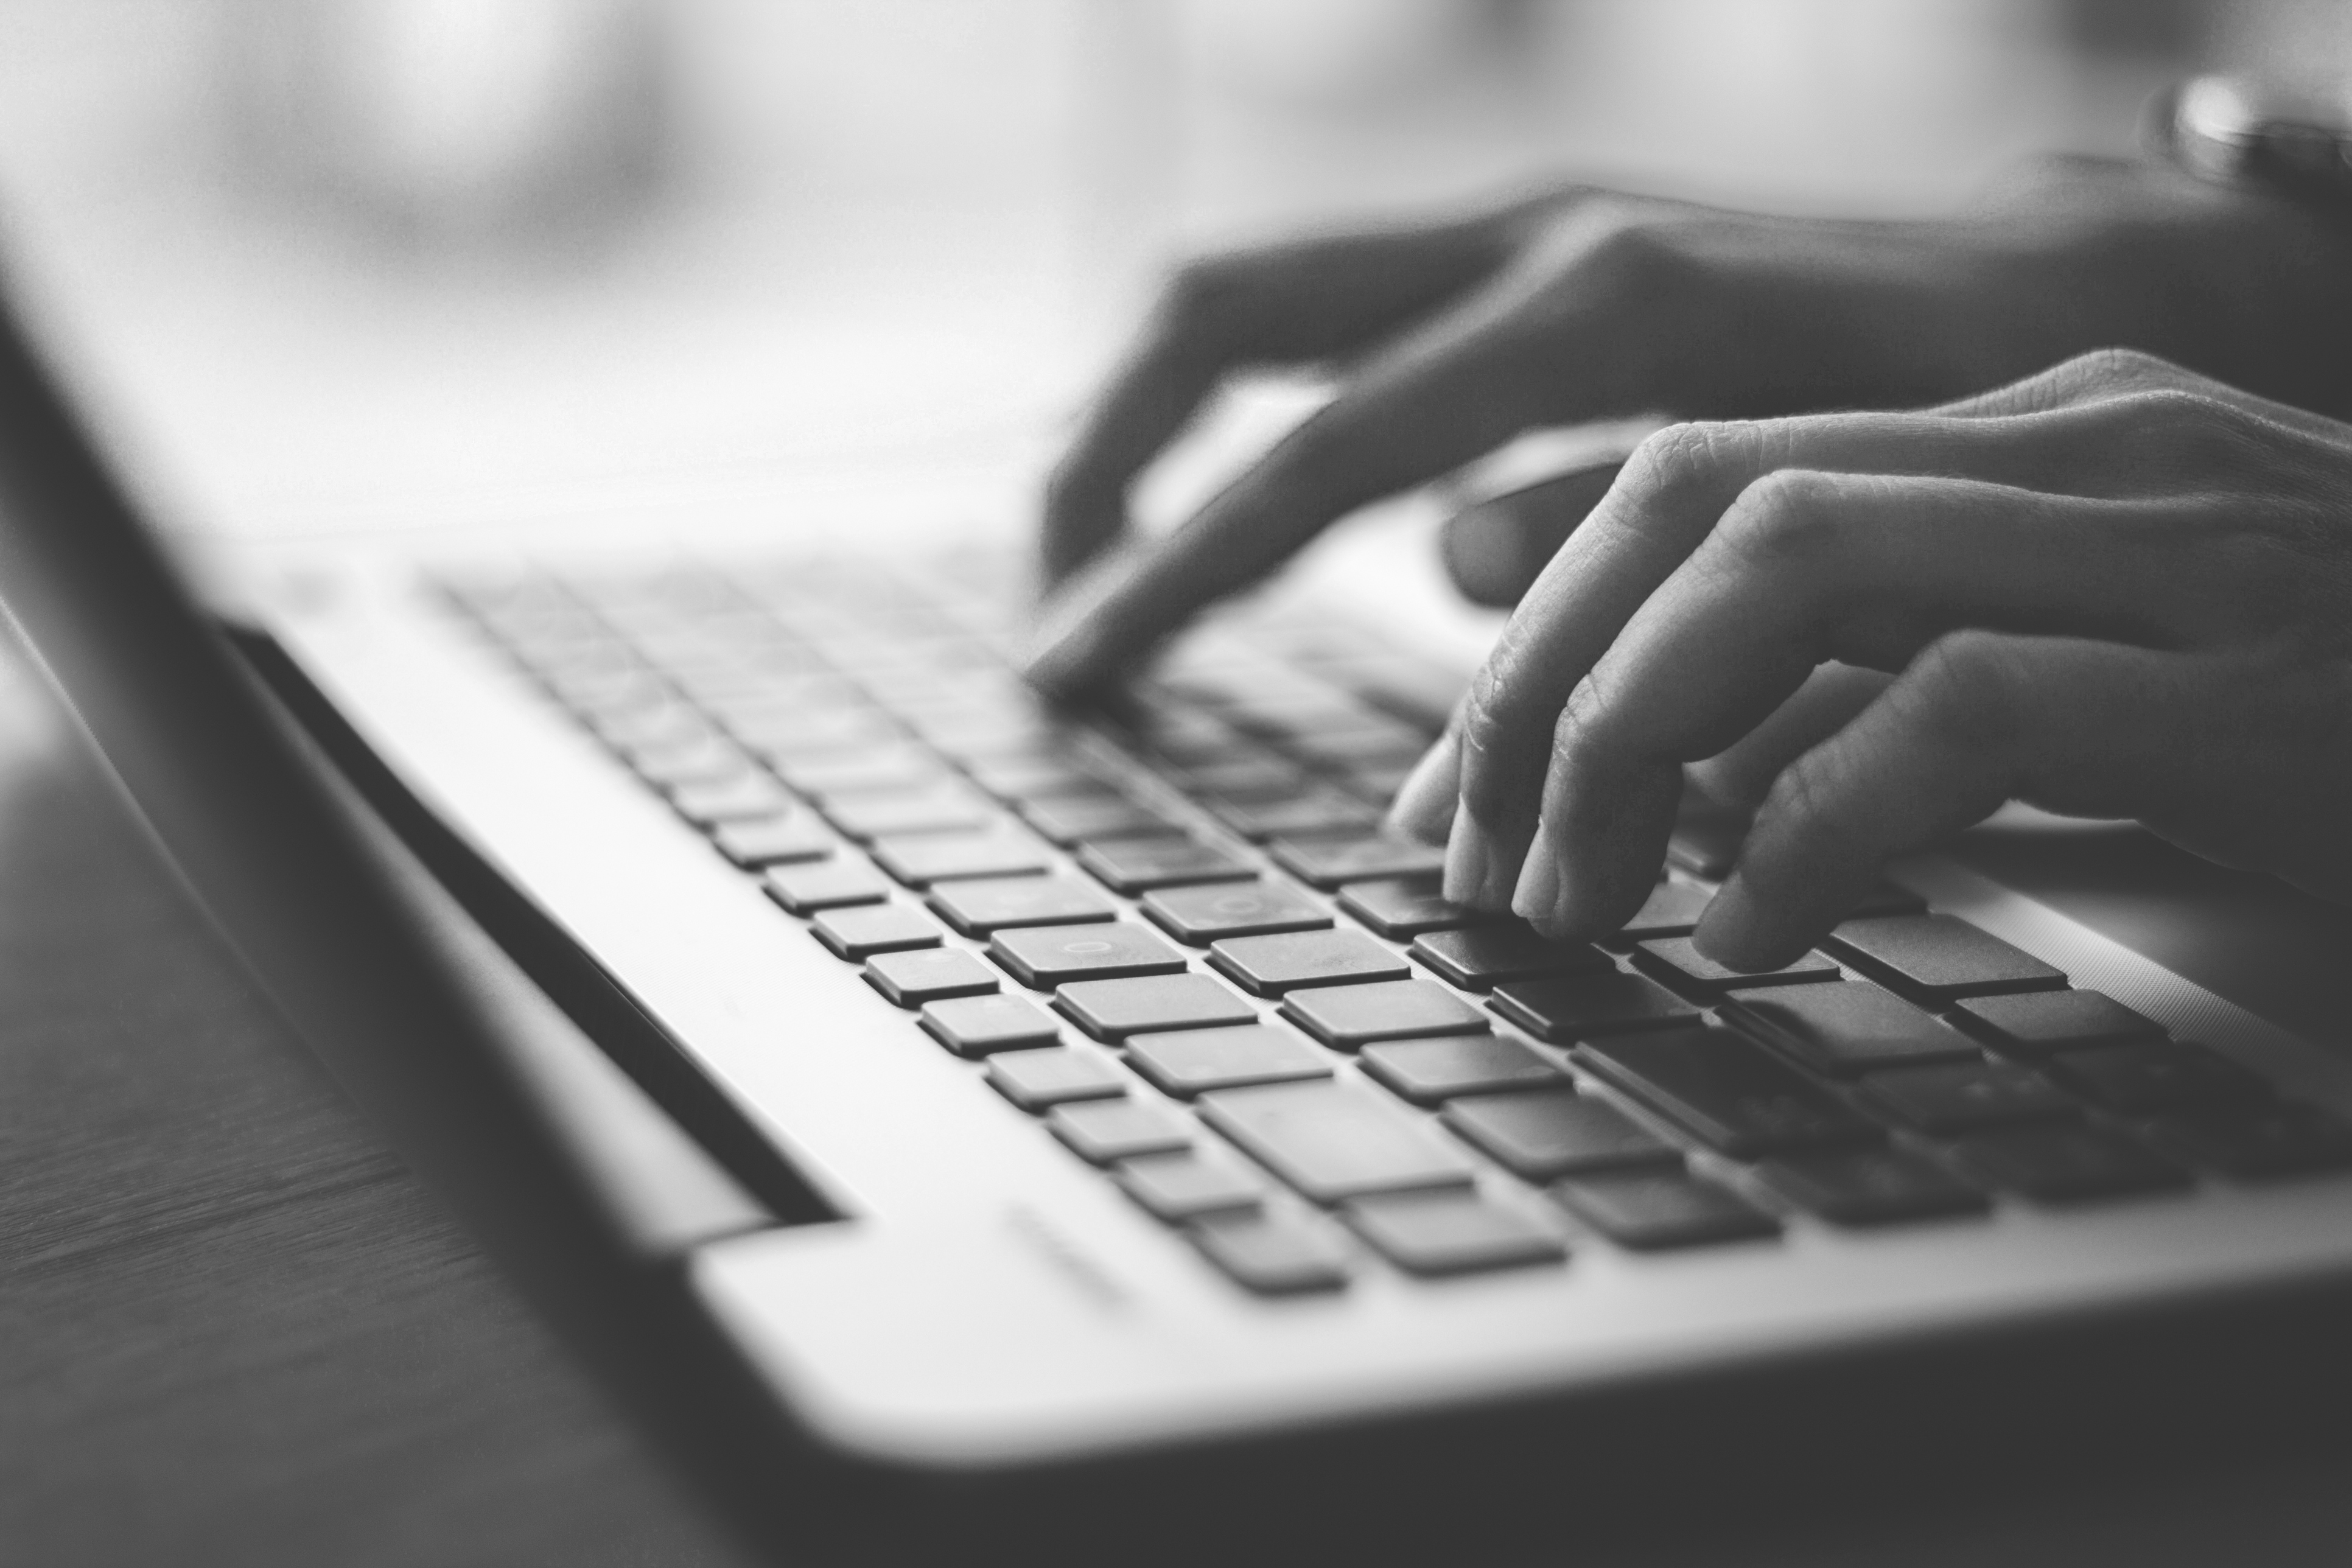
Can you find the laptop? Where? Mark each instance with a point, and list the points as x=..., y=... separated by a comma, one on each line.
x=1091, y=1127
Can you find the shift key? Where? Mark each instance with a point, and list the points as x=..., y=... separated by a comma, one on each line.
x=1334, y=1141
x=1726, y=1091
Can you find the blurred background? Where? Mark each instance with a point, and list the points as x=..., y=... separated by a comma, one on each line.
x=360, y=265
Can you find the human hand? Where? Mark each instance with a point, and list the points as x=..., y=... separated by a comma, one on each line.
x=1582, y=304
x=2113, y=589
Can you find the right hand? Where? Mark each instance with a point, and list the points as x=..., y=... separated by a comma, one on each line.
x=1585, y=304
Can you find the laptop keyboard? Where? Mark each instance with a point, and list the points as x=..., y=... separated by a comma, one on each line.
x=1174, y=936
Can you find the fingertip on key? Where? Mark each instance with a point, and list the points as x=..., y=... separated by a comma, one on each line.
x=1425, y=803
x=1738, y=932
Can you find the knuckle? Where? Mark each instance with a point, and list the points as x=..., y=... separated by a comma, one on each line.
x=2110, y=370
x=1969, y=688
x=1801, y=798
x=1482, y=725
x=1788, y=517
x=1202, y=295
x=1681, y=456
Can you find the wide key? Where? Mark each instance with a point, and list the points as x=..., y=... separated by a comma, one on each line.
x=1726, y=1091
x=1333, y=1141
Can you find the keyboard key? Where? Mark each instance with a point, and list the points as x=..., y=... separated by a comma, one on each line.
x=1349, y=1017
x=745, y=796
x=1315, y=811
x=1871, y=1187
x=890, y=767
x=1037, y=1081
x=1273, y=1255
x=1043, y=957
x=1105, y=1129
x=1428, y=1071
x=862, y=931
x=913, y=978
x=1359, y=748
x=1452, y=1233
x=1027, y=777
x=705, y=760
x=941, y=809
x=2033, y=1022
x=1114, y=1009
x=2157, y=1075
x=927, y=858
x=1133, y=865
x=1270, y=965
x=980, y=1025
x=1207, y=913
x=2258, y=1142
x=1940, y=956
x=1967, y=1097
x=1066, y=819
x=1555, y=1132
x=1244, y=777
x=1194, y=1061
x=1405, y=906
x=773, y=841
x=1177, y=1187
x=2065, y=1164
x=1651, y=1211
x=1842, y=1030
x=1675, y=959
x=982, y=908
x=1705, y=842
x=1886, y=899
x=1481, y=956
x=827, y=885
x=1728, y=1092
x=1329, y=862
x=1671, y=910
x=1333, y=1141
x=1566, y=1011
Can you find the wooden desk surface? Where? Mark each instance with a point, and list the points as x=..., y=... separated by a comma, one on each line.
x=232, y=1330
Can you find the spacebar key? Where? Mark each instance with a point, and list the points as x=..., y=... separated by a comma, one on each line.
x=1334, y=1141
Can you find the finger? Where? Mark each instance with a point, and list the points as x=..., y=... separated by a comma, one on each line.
x=1742, y=774
x=1286, y=304
x=1495, y=550
x=1810, y=567
x=1423, y=808
x=2085, y=728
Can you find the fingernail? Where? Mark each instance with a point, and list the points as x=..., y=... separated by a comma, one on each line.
x=1538, y=898
x=1469, y=860
x=1425, y=803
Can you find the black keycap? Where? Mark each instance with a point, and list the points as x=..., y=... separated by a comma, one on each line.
x=1651, y=1211
x=773, y=841
x=1886, y=899
x=1114, y=1009
x=1349, y=1017
x=1671, y=910
x=1438, y=1234
x=1106, y=1129
x=1675, y=959
x=2159, y=1076
x=924, y=859
x=2258, y=1142
x=1066, y=819
x=1940, y=956
x=1177, y=1187
x=2033, y=1022
x=1036, y=1080
x=1273, y=1255
x=1555, y=1132
x=1728, y=1092
x=911, y=979
x=979, y=1026
x=2065, y=1164
x=1871, y=1187
x=1405, y=906
x=1967, y=1097
x=1244, y=778
x=1315, y=811
x=1428, y=1071
x=1030, y=777
x=742, y=797
x=984, y=907
x=1333, y=1141
x=1133, y=865
x=1216, y=910
x=1045, y=956
x=826, y=885
x=888, y=767
x=1583, y=1007
x=1706, y=844
x=1847, y=1029
x=1483, y=956
x=943, y=809
x=1270, y=965
x=862, y=931
x=1194, y=1061
x=1331, y=862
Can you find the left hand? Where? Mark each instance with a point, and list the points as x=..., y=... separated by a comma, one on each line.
x=2113, y=589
